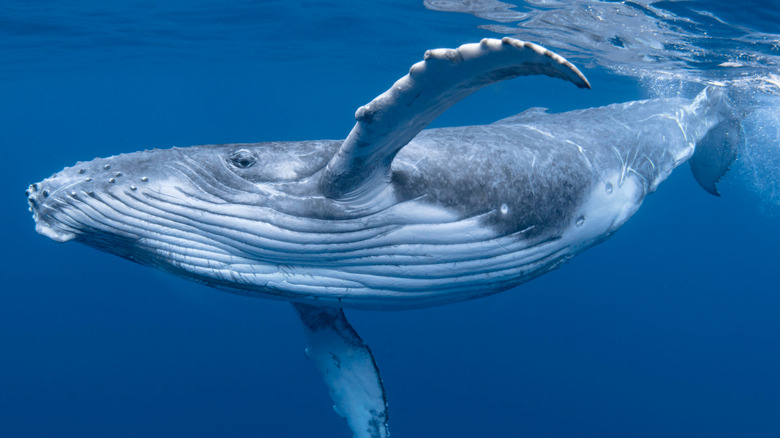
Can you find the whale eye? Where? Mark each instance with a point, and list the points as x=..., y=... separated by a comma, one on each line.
x=242, y=159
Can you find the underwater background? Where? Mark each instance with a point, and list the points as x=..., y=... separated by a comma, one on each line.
x=670, y=328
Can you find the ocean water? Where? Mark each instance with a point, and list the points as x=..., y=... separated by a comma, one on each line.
x=670, y=328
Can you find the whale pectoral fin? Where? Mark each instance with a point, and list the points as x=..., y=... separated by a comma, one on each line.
x=361, y=167
x=715, y=153
x=348, y=368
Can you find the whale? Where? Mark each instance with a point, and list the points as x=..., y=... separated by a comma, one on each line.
x=395, y=216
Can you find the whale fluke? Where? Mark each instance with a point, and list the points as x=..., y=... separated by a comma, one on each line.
x=444, y=77
x=715, y=153
x=348, y=368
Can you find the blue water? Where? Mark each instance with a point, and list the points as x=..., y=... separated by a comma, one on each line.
x=671, y=328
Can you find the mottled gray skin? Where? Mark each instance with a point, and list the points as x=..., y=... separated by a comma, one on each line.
x=542, y=165
x=523, y=180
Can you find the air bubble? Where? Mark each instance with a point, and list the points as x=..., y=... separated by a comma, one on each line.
x=608, y=188
x=758, y=165
x=107, y=166
x=504, y=209
x=111, y=180
x=580, y=221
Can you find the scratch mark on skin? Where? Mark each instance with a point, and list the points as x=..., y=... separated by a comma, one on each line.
x=582, y=152
x=650, y=161
x=417, y=162
x=639, y=175
x=620, y=123
x=623, y=166
x=545, y=133
x=678, y=121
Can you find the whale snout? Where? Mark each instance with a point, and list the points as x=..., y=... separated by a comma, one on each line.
x=60, y=204
x=42, y=197
x=33, y=194
x=96, y=201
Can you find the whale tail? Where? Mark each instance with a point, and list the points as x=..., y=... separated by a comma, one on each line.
x=717, y=150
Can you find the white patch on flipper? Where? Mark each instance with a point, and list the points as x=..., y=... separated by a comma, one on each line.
x=348, y=368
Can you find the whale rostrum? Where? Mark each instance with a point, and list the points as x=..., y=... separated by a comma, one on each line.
x=395, y=216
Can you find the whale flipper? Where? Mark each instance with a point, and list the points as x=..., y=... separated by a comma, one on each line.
x=348, y=367
x=361, y=167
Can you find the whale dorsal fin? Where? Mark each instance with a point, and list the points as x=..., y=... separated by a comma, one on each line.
x=361, y=167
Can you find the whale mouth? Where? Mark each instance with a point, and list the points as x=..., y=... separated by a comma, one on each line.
x=53, y=232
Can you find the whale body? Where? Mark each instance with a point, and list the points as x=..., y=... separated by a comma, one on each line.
x=393, y=217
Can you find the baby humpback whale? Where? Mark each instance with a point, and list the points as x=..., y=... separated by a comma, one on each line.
x=394, y=216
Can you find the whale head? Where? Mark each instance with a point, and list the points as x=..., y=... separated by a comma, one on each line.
x=141, y=204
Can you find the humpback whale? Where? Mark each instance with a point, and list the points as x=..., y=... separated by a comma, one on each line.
x=395, y=216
